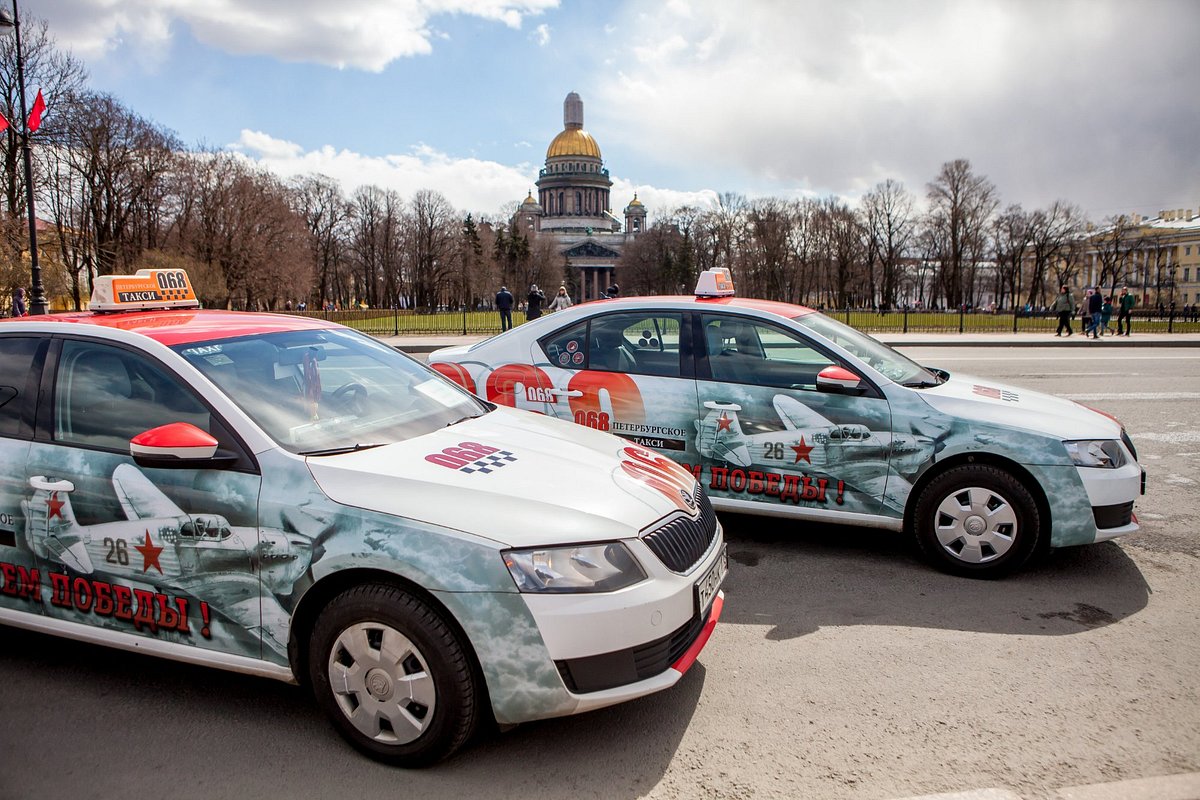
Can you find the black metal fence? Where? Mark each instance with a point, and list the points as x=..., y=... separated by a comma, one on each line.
x=400, y=322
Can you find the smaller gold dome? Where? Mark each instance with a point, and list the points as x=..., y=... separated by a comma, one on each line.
x=634, y=203
x=573, y=142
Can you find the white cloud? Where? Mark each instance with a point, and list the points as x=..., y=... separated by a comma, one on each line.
x=362, y=34
x=481, y=187
x=542, y=34
x=469, y=184
x=1085, y=100
x=658, y=201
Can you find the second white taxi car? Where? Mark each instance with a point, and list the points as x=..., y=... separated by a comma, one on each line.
x=781, y=410
x=289, y=498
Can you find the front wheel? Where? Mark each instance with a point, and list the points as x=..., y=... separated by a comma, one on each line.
x=393, y=676
x=977, y=520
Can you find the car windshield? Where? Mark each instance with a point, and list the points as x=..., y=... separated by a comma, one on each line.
x=875, y=353
x=319, y=392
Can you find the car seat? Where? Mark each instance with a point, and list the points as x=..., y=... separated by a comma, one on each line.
x=608, y=351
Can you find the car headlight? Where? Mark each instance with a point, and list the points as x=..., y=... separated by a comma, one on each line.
x=1106, y=453
x=584, y=568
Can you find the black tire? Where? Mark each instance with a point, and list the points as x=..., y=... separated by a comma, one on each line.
x=977, y=520
x=410, y=706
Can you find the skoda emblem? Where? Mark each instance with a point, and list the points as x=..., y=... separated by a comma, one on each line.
x=688, y=499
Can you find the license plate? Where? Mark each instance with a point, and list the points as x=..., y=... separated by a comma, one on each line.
x=710, y=582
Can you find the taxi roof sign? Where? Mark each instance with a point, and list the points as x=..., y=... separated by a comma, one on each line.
x=147, y=289
x=715, y=283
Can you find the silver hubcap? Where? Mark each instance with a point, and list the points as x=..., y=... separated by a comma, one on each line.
x=975, y=525
x=382, y=683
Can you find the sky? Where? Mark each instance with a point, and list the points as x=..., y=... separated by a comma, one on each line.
x=1089, y=101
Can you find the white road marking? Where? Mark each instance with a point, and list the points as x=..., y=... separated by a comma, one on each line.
x=1175, y=437
x=1133, y=396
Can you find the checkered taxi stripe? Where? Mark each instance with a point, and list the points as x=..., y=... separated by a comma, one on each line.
x=490, y=463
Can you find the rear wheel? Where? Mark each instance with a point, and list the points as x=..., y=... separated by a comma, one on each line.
x=977, y=520
x=393, y=676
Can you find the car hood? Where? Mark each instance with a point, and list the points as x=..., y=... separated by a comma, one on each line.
x=548, y=482
x=985, y=400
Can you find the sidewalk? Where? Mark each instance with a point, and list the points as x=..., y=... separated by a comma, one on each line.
x=428, y=343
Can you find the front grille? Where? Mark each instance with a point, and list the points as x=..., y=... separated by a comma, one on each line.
x=1113, y=516
x=682, y=542
x=621, y=667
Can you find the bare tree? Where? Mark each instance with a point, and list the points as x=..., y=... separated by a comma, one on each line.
x=60, y=78
x=890, y=224
x=768, y=269
x=844, y=245
x=430, y=235
x=1053, y=236
x=1010, y=242
x=961, y=204
x=319, y=201
x=1114, y=244
x=239, y=220
x=374, y=242
x=120, y=157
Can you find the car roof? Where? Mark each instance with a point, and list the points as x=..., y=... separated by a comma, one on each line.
x=788, y=310
x=188, y=326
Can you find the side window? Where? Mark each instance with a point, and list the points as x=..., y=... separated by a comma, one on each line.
x=104, y=396
x=637, y=343
x=567, y=349
x=746, y=351
x=17, y=354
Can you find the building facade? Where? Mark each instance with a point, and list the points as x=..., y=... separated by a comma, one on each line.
x=573, y=208
x=1159, y=258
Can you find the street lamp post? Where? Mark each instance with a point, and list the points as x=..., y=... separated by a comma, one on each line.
x=37, y=302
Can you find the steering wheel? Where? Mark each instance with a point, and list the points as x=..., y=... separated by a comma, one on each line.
x=352, y=397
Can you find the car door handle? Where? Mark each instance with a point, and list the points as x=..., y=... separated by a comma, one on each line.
x=45, y=484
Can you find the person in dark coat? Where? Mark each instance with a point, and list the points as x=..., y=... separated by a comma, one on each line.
x=613, y=290
x=535, y=299
x=1095, y=307
x=1064, y=306
x=504, y=304
x=19, y=308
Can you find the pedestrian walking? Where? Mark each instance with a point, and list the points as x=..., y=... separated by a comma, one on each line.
x=1106, y=316
x=1095, y=306
x=504, y=304
x=613, y=290
x=1125, y=304
x=1064, y=306
x=534, y=300
x=561, y=301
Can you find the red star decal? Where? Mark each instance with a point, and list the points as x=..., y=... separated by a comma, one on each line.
x=149, y=555
x=54, y=507
x=802, y=451
x=724, y=422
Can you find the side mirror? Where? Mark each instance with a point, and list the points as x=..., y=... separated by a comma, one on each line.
x=838, y=380
x=177, y=445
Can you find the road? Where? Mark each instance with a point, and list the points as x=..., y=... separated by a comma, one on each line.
x=843, y=668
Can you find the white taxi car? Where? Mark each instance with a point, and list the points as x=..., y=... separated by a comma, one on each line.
x=781, y=410
x=286, y=497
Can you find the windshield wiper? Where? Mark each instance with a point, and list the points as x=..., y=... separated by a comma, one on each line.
x=333, y=451
x=921, y=384
x=463, y=419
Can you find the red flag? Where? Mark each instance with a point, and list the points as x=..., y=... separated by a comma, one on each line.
x=3, y=123
x=35, y=113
